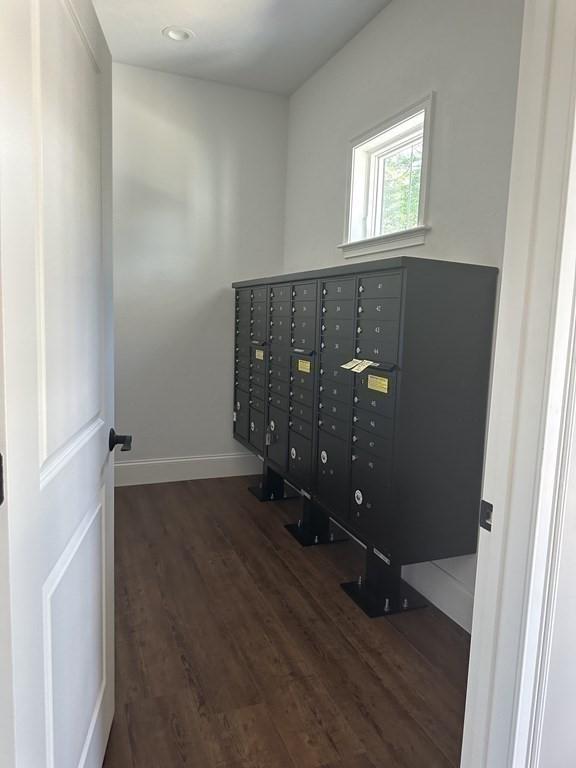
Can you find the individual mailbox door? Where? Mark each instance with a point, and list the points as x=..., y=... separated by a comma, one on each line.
x=370, y=442
x=332, y=474
x=257, y=430
x=302, y=412
x=336, y=346
x=331, y=369
x=243, y=296
x=301, y=428
x=277, y=401
x=281, y=292
x=302, y=373
x=378, y=340
x=258, y=379
x=258, y=309
x=373, y=422
x=257, y=398
x=300, y=460
x=333, y=426
x=343, y=310
x=260, y=293
x=334, y=327
x=280, y=356
x=340, y=288
x=279, y=374
x=336, y=409
x=387, y=285
x=242, y=414
x=281, y=388
x=281, y=335
x=302, y=396
x=337, y=390
x=304, y=309
x=258, y=331
x=243, y=313
x=304, y=291
x=280, y=324
x=258, y=361
x=278, y=435
x=376, y=392
x=379, y=309
x=304, y=333
x=280, y=309
x=242, y=380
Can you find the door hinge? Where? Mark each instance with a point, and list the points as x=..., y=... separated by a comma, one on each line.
x=486, y=510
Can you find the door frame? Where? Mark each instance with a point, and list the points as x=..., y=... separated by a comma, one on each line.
x=531, y=407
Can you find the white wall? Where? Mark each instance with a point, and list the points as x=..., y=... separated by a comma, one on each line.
x=468, y=53
x=199, y=174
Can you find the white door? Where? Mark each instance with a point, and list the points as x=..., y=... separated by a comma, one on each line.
x=56, y=329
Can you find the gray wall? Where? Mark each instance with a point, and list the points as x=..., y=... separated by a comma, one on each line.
x=468, y=54
x=199, y=174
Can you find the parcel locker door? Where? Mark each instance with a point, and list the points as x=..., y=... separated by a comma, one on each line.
x=257, y=430
x=278, y=431
x=332, y=474
x=241, y=411
x=300, y=460
x=370, y=494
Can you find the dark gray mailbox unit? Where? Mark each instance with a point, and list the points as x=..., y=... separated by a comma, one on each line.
x=394, y=455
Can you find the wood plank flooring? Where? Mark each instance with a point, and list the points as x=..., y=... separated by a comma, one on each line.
x=236, y=648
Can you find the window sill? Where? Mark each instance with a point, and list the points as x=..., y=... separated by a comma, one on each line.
x=407, y=238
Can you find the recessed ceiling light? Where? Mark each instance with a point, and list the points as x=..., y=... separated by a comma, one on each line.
x=178, y=34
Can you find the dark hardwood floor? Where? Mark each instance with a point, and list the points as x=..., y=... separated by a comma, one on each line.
x=236, y=648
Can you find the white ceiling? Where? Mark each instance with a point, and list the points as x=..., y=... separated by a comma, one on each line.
x=272, y=45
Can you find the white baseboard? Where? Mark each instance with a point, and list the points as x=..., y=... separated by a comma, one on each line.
x=446, y=592
x=174, y=470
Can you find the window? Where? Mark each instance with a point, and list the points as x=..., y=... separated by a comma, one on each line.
x=388, y=183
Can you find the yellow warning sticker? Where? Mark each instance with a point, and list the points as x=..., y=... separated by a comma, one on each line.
x=259, y=354
x=378, y=383
x=304, y=366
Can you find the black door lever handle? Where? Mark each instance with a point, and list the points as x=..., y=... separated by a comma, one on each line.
x=124, y=440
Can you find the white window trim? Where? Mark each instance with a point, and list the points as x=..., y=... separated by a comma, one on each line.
x=407, y=237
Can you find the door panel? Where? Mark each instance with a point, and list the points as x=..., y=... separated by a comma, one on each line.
x=332, y=474
x=300, y=459
x=56, y=296
x=278, y=430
